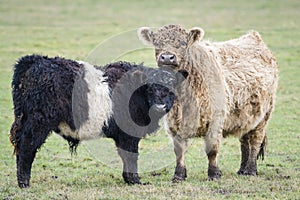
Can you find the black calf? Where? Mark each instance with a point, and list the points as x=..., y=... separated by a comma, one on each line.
x=43, y=95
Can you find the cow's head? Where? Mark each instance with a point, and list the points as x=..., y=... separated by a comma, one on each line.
x=162, y=86
x=141, y=95
x=170, y=42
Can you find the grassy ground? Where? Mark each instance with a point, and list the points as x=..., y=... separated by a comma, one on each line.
x=73, y=28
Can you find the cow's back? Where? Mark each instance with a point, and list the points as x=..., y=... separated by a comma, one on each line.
x=246, y=50
x=251, y=74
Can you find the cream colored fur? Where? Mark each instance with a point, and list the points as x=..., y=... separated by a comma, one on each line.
x=144, y=35
x=99, y=103
x=236, y=81
x=230, y=90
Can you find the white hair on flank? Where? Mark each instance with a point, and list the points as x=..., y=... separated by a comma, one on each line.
x=99, y=106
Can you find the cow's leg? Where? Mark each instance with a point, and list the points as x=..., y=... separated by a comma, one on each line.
x=251, y=146
x=180, y=147
x=245, y=149
x=25, y=156
x=26, y=148
x=128, y=151
x=27, y=135
x=212, y=149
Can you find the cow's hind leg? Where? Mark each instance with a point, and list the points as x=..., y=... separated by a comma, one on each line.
x=29, y=139
x=25, y=155
x=245, y=149
x=180, y=147
x=252, y=145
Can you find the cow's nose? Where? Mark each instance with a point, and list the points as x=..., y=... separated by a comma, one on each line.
x=167, y=59
x=159, y=107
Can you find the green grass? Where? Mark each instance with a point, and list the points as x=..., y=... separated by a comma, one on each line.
x=73, y=28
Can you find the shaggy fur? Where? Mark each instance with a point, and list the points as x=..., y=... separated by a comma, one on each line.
x=98, y=105
x=230, y=91
x=76, y=101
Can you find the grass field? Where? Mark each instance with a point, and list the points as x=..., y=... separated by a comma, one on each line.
x=73, y=28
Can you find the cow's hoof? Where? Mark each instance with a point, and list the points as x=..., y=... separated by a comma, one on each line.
x=24, y=184
x=247, y=172
x=177, y=179
x=214, y=173
x=179, y=175
x=131, y=178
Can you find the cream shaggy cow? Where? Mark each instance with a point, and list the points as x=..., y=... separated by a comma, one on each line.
x=230, y=91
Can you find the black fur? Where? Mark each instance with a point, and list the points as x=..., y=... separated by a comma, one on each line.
x=42, y=92
x=42, y=89
x=42, y=97
x=140, y=104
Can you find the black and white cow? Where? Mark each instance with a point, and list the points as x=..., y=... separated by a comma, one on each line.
x=80, y=101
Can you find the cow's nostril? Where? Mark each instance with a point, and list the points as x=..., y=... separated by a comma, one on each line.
x=172, y=58
x=167, y=59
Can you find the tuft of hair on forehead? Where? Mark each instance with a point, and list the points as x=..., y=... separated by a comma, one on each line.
x=161, y=76
x=170, y=34
x=172, y=28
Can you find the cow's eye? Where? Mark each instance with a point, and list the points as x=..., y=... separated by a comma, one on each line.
x=183, y=43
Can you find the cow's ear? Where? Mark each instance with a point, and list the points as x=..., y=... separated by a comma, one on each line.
x=195, y=34
x=145, y=35
x=139, y=77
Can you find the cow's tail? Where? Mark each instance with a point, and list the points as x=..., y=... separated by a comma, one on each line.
x=14, y=131
x=263, y=148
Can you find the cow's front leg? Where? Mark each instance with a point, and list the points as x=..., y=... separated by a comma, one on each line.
x=128, y=151
x=130, y=174
x=180, y=147
x=212, y=149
